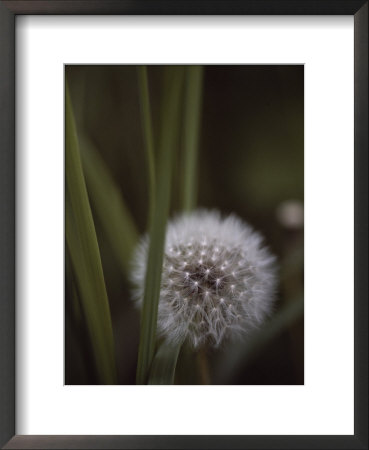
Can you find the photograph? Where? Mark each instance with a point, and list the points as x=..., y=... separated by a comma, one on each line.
x=184, y=217
x=184, y=224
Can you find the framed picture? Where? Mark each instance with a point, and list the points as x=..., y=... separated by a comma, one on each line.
x=184, y=224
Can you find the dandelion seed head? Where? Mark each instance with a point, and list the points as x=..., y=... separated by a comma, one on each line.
x=223, y=287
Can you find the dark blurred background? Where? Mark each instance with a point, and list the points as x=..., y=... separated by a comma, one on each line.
x=251, y=163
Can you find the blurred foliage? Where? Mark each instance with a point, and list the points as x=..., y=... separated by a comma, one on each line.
x=89, y=289
x=251, y=161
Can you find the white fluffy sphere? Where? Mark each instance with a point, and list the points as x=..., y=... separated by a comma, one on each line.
x=218, y=280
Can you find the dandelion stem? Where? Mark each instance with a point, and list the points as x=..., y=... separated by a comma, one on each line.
x=194, y=75
x=203, y=365
x=143, y=86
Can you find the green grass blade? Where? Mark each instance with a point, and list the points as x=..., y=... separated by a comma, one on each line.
x=109, y=206
x=193, y=103
x=164, y=364
x=85, y=255
x=169, y=132
x=143, y=86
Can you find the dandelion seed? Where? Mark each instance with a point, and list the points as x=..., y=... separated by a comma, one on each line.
x=207, y=278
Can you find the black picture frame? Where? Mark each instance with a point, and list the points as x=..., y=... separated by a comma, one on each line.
x=8, y=12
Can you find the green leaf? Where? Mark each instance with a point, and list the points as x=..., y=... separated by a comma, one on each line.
x=85, y=255
x=164, y=364
x=143, y=86
x=193, y=103
x=169, y=132
x=109, y=205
